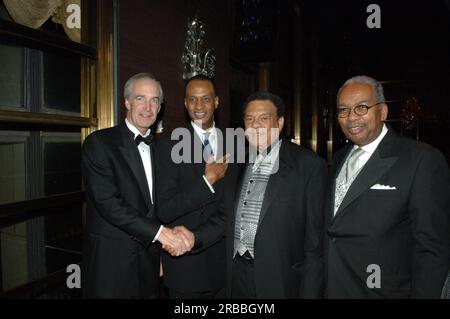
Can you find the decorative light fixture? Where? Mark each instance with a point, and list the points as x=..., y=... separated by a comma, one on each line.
x=196, y=59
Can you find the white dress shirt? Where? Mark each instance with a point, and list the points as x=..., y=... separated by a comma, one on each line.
x=144, y=151
x=369, y=149
x=212, y=141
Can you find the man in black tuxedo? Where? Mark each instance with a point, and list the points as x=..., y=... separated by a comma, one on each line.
x=275, y=227
x=389, y=217
x=189, y=196
x=121, y=257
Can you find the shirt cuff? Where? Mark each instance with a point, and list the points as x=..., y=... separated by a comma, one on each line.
x=157, y=234
x=209, y=185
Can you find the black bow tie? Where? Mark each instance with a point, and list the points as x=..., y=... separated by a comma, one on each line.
x=147, y=140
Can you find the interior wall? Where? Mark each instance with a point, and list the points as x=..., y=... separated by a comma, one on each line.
x=152, y=35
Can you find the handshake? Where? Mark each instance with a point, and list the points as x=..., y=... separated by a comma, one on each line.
x=176, y=241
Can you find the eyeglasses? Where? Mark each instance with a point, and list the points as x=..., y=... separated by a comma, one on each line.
x=359, y=110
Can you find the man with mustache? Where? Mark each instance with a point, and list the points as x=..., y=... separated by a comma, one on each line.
x=275, y=225
x=388, y=222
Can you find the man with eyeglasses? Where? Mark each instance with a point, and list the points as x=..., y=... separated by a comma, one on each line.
x=122, y=242
x=388, y=222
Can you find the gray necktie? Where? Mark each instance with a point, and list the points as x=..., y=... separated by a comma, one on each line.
x=352, y=162
x=207, y=149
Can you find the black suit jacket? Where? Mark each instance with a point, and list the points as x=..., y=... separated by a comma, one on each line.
x=405, y=231
x=119, y=259
x=185, y=199
x=288, y=250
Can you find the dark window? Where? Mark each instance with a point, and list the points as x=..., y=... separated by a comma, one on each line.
x=61, y=83
x=11, y=76
x=61, y=153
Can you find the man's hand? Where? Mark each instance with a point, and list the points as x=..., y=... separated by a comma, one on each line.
x=215, y=171
x=188, y=236
x=174, y=243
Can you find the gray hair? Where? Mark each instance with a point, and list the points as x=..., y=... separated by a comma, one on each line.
x=364, y=79
x=147, y=76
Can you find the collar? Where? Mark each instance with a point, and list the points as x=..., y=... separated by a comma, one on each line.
x=135, y=131
x=269, y=157
x=267, y=150
x=371, y=147
x=201, y=131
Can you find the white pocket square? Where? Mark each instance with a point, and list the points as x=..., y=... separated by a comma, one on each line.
x=383, y=187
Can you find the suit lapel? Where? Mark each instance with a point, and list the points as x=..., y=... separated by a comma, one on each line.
x=131, y=154
x=242, y=169
x=276, y=181
x=337, y=166
x=196, y=146
x=339, y=162
x=378, y=164
x=152, y=156
x=220, y=152
x=221, y=144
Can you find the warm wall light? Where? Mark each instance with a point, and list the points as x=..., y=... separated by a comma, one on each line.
x=410, y=112
x=160, y=127
x=296, y=140
x=314, y=130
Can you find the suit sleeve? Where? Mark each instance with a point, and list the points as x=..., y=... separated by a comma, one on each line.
x=313, y=269
x=174, y=198
x=210, y=232
x=105, y=196
x=214, y=229
x=429, y=208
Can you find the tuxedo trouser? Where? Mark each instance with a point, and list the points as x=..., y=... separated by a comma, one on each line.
x=243, y=279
